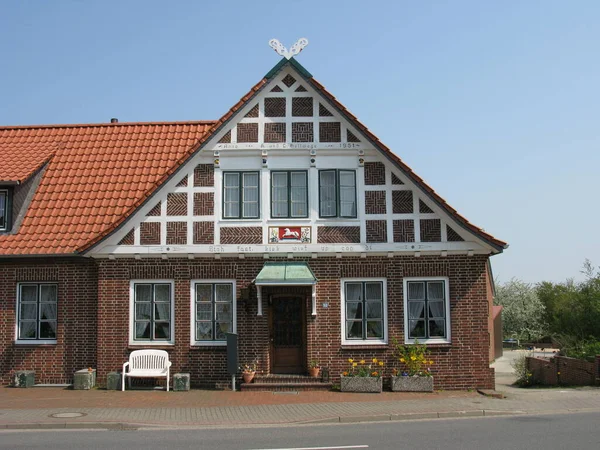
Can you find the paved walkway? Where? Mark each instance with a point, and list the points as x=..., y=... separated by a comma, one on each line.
x=35, y=407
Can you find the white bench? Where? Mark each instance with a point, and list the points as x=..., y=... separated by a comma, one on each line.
x=147, y=364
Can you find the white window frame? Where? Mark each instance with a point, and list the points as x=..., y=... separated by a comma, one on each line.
x=448, y=338
x=132, y=340
x=363, y=342
x=241, y=190
x=18, y=314
x=193, y=341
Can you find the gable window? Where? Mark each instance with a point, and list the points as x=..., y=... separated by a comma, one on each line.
x=426, y=310
x=240, y=195
x=289, y=194
x=152, y=312
x=4, y=210
x=213, y=313
x=337, y=193
x=37, y=313
x=364, y=315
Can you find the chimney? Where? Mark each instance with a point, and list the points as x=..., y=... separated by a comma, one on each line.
x=114, y=120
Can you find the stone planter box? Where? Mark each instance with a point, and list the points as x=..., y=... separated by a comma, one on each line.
x=23, y=378
x=84, y=379
x=361, y=384
x=412, y=384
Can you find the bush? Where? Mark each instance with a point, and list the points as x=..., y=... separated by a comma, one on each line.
x=524, y=376
x=586, y=349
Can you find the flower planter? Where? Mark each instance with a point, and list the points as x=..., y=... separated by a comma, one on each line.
x=248, y=377
x=314, y=372
x=361, y=384
x=412, y=384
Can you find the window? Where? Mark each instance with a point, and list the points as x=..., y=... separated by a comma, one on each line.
x=364, y=315
x=37, y=313
x=240, y=195
x=152, y=312
x=213, y=311
x=289, y=194
x=426, y=310
x=337, y=193
x=4, y=210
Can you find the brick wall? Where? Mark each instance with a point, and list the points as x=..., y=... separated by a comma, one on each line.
x=76, y=331
x=89, y=289
x=561, y=370
x=460, y=365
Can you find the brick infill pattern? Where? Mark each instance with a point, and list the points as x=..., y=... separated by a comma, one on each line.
x=241, y=235
x=338, y=235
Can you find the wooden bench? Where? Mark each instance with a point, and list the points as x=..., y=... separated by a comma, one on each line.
x=147, y=364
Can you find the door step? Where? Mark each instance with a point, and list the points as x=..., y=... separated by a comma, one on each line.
x=278, y=383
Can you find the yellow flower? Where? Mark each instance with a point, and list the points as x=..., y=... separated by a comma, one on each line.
x=374, y=374
x=345, y=374
x=354, y=364
x=557, y=373
x=413, y=358
x=381, y=363
x=375, y=360
x=350, y=360
x=362, y=361
x=402, y=360
x=431, y=361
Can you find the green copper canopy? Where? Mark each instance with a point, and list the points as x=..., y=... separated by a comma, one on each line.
x=285, y=273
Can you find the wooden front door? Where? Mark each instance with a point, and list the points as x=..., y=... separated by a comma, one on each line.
x=287, y=334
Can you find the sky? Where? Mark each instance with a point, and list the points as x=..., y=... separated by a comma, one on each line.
x=494, y=104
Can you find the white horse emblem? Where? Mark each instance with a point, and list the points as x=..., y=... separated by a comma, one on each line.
x=290, y=234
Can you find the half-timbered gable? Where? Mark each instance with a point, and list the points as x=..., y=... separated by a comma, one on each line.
x=290, y=174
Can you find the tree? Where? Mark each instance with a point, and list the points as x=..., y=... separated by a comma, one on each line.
x=523, y=314
x=573, y=309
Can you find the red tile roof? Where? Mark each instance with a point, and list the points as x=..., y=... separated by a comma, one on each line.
x=95, y=174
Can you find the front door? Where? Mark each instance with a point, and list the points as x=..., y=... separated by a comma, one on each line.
x=287, y=334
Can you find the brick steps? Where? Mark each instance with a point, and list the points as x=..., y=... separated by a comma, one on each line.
x=280, y=383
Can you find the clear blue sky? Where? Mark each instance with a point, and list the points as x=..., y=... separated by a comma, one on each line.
x=495, y=104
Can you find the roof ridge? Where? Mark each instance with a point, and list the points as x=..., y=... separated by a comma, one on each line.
x=105, y=124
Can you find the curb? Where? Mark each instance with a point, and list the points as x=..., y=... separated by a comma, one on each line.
x=71, y=426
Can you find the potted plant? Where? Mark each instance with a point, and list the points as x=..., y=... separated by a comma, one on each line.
x=314, y=369
x=414, y=374
x=362, y=376
x=248, y=371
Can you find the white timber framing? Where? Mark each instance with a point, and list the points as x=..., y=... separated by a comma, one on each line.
x=288, y=156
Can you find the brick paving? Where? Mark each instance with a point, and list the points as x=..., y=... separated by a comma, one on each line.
x=33, y=407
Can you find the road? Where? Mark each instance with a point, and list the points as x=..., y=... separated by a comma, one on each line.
x=572, y=431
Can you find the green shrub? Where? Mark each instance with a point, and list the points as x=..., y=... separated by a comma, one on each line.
x=586, y=349
x=524, y=376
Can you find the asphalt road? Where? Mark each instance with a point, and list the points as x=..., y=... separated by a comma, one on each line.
x=572, y=431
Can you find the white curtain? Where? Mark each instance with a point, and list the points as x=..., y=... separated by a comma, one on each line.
x=416, y=310
x=250, y=192
x=416, y=291
x=298, y=194
x=347, y=193
x=231, y=191
x=279, y=194
x=327, y=193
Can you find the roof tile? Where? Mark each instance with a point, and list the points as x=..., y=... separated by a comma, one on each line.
x=90, y=168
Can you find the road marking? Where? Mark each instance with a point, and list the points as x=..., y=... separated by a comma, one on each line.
x=317, y=448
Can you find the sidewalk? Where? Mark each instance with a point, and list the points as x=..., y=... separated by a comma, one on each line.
x=35, y=407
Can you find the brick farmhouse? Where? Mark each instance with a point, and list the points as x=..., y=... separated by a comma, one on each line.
x=286, y=221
